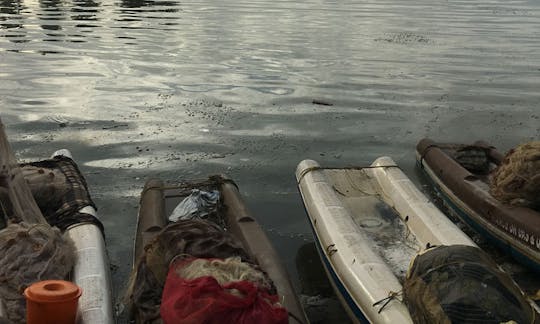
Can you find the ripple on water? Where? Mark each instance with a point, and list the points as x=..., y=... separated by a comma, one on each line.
x=248, y=72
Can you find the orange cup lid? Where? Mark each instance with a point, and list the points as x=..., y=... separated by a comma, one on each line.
x=52, y=291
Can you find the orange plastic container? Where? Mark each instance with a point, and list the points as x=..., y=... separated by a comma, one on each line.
x=52, y=301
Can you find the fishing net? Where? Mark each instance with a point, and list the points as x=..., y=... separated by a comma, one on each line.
x=219, y=291
x=30, y=253
x=14, y=191
x=223, y=270
x=461, y=284
x=473, y=158
x=517, y=180
x=33, y=198
x=196, y=238
x=60, y=191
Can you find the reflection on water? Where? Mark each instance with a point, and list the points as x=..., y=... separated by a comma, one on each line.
x=85, y=10
x=154, y=5
x=71, y=22
x=11, y=8
x=51, y=11
x=178, y=89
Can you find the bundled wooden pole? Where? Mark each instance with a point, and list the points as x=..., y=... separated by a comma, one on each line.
x=23, y=204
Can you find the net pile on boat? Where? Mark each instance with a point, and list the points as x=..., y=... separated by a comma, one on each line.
x=219, y=291
x=461, y=284
x=195, y=272
x=60, y=190
x=31, y=249
x=473, y=158
x=517, y=180
x=30, y=253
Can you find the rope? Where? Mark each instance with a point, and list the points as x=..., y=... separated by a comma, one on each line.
x=391, y=296
x=212, y=180
x=517, y=179
x=330, y=249
x=315, y=168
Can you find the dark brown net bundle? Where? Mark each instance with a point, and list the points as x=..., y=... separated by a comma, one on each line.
x=193, y=238
x=30, y=253
x=60, y=191
x=473, y=158
x=517, y=180
x=461, y=284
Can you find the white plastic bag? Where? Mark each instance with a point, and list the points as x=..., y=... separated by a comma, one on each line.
x=197, y=205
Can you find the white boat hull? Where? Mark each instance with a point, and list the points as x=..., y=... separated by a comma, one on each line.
x=91, y=271
x=342, y=205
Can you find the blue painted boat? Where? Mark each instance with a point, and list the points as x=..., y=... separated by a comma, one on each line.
x=369, y=223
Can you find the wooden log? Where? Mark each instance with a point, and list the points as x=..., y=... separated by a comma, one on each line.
x=23, y=204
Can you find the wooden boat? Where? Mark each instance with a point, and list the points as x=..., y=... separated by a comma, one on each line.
x=369, y=222
x=516, y=230
x=91, y=269
x=158, y=201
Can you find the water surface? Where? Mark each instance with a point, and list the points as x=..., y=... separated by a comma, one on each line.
x=182, y=89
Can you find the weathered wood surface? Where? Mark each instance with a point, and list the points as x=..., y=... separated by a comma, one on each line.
x=20, y=199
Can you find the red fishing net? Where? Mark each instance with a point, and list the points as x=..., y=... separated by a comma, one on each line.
x=205, y=300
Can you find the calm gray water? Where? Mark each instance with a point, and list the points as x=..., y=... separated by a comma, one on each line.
x=141, y=88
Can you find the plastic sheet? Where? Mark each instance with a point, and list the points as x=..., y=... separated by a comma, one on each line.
x=198, y=204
